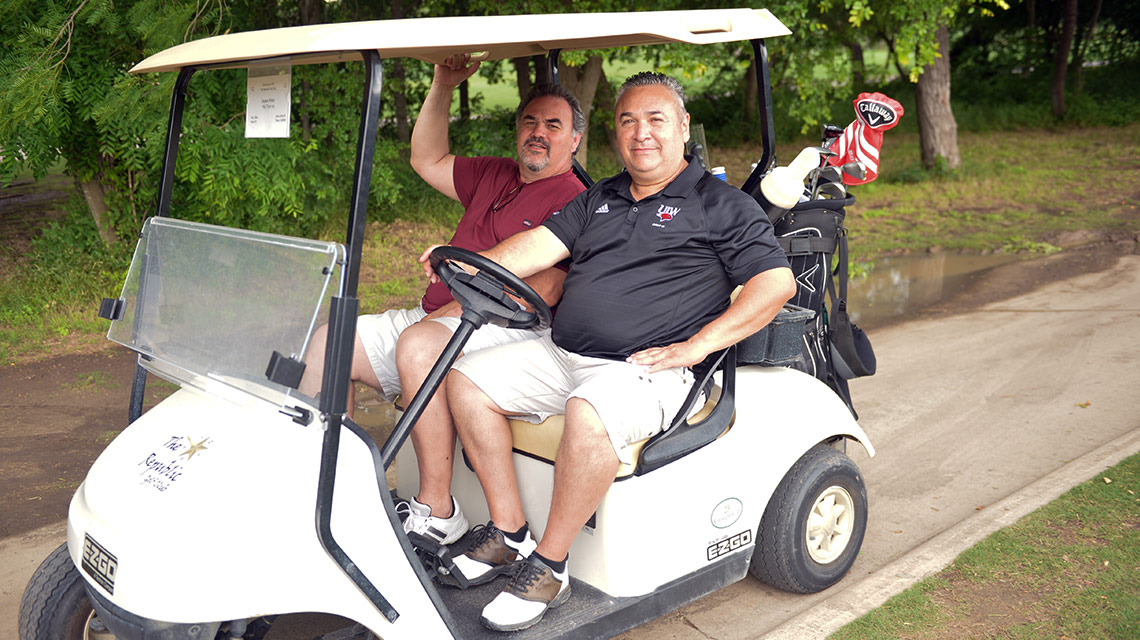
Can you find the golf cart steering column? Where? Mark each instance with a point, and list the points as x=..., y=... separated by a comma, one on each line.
x=485, y=297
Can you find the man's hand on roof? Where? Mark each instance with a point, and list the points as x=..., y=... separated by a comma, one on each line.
x=455, y=70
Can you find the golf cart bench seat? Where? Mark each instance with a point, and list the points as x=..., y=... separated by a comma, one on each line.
x=541, y=440
x=777, y=344
x=688, y=431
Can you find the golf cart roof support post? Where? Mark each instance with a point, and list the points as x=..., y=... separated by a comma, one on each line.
x=767, y=161
x=552, y=62
x=342, y=337
x=162, y=208
x=362, y=173
x=173, y=136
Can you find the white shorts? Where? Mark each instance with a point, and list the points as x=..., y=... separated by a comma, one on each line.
x=535, y=379
x=380, y=332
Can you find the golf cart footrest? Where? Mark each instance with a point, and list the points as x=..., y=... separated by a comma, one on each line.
x=780, y=343
x=111, y=309
x=439, y=561
x=284, y=370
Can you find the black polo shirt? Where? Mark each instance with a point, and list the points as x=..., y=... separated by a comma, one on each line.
x=651, y=273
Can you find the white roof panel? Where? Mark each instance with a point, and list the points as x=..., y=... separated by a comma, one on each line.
x=490, y=37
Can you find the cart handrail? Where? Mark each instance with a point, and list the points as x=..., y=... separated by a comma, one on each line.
x=489, y=37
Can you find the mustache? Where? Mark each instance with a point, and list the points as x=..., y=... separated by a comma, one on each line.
x=539, y=141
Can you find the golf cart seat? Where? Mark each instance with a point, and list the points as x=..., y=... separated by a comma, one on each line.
x=684, y=435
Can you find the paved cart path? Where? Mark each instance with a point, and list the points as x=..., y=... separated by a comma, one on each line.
x=966, y=413
x=977, y=419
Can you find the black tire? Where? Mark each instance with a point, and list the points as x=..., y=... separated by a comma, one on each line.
x=784, y=558
x=55, y=604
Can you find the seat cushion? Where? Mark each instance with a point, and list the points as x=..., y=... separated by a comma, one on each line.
x=541, y=440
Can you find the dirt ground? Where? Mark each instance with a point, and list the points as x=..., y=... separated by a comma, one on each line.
x=62, y=410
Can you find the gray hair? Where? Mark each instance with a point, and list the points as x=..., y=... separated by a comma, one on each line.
x=652, y=78
x=578, y=119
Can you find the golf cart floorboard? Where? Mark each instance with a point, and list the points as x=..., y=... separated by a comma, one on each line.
x=590, y=613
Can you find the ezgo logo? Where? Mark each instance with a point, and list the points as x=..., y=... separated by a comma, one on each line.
x=99, y=563
x=718, y=549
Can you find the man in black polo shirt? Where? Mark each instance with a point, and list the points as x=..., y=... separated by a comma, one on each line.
x=655, y=253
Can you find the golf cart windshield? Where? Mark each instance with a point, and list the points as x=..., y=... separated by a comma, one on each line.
x=207, y=306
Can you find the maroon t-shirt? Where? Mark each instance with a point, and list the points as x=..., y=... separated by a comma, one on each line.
x=497, y=205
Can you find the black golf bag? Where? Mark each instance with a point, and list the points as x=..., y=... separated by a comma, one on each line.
x=834, y=349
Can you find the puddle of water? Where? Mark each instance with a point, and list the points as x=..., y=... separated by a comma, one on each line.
x=900, y=285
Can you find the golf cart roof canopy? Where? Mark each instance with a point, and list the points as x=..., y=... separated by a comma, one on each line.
x=485, y=37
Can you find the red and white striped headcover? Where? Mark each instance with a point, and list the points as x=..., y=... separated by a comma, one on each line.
x=862, y=139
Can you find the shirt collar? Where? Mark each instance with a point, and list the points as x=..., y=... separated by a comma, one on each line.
x=684, y=184
x=680, y=187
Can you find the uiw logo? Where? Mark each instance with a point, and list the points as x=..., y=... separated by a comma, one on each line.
x=667, y=213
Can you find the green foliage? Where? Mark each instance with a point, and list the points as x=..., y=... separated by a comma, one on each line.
x=1021, y=244
x=71, y=98
x=490, y=134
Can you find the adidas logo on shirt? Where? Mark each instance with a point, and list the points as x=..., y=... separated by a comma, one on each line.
x=605, y=208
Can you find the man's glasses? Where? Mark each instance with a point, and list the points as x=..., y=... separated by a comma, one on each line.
x=506, y=198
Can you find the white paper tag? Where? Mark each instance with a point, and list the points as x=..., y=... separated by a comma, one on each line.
x=268, y=90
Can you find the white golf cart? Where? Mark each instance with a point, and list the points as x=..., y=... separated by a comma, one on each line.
x=238, y=499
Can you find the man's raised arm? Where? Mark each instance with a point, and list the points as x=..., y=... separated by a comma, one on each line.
x=431, y=155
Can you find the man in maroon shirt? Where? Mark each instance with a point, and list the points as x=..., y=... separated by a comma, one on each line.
x=396, y=349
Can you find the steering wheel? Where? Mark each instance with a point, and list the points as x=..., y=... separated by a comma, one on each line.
x=484, y=296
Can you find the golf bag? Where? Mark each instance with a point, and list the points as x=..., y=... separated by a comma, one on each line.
x=810, y=234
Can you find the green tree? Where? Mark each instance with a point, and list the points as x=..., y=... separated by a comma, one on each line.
x=919, y=32
x=69, y=98
x=59, y=70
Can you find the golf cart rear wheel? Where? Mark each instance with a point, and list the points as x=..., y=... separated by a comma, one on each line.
x=55, y=604
x=814, y=524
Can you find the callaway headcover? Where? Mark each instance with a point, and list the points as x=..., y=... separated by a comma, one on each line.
x=862, y=139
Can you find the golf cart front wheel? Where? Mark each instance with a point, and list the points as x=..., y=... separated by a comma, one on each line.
x=55, y=604
x=814, y=524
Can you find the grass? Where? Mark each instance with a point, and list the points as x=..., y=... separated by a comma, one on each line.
x=1068, y=570
x=1016, y=191
x=91, y=380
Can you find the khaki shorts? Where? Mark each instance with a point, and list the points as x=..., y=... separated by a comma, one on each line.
x=535, y=379
x=380, y=332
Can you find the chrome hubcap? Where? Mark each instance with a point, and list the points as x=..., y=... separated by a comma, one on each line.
x=829, y=524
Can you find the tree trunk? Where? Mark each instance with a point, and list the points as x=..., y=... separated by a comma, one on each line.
x=96, y=201
x=400, y=101
x=751, y=93
x=893, y=56
x=937, y=129
x=607, y=96
x=858, y=67
x=1061, y=59
x=522, y=76
x=1082, y=45
x=583, y=81
x=399, y=84
x=310, y=11
x=464, y=101
x=541, y=70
